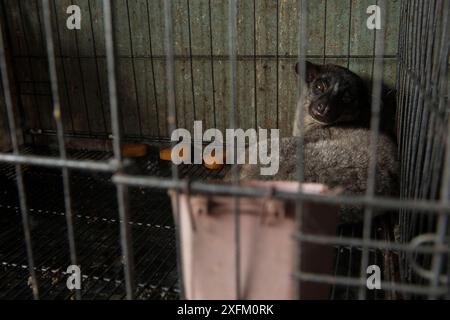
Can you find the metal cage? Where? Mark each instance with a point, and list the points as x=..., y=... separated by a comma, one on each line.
x=67, y=198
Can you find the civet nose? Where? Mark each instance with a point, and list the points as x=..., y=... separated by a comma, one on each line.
x=320, y=108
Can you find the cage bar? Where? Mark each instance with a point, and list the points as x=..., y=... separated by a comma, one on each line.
x=374, y=128
x=171, y=121
x=18, y=168
x=122, y=191
x=423, y=132
x=60, y=133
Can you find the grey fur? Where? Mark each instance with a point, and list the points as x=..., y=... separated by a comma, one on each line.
x=336, y=154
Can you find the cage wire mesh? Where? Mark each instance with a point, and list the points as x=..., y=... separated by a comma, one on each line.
x=423, y=130
x=125, y=79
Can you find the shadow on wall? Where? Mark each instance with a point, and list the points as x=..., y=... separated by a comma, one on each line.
x=388, y=117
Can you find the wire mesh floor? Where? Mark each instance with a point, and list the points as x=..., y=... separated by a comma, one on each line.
x=96, y=227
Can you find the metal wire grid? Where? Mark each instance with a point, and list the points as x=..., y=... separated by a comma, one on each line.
x=123, y=181
x=96, y=233
x=424, y=128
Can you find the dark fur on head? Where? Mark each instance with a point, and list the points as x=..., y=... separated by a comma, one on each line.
x=333, y=95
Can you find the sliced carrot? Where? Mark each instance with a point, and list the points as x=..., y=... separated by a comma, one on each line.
x=165, y=154
x=212, y=163
x=134, y=150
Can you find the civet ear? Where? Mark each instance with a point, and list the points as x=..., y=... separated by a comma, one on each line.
x=311, y=70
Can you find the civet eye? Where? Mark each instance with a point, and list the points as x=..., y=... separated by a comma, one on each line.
x=320, y=86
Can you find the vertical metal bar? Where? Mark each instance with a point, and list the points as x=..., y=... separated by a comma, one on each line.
x=83, y=85
x=133, y=68
x=41, y=34
x=428, y=84
x=190, y=58
x=373, y=49
x=402, y=93
x=302, y=46
x=60, y=132
x=153, y=67
x=417, y=102
x=97, y=69
x=64, y=77
x=408, y=110
x=349, y=32
x=400, y=53
x=412, y=96
x=423, y=109
x=433, y=162
x=18, y=167
x=170, y=69
x=407, y=162
x=40, y=28
x=28, y=54
x=112, y=85
x=404, y=104
x=401, y=74
x=14, y=69
x=212, y=64
x=232, y=42
x=172, y=121
x=255, y=77
x=374, y=134
x=324, y=52
x=278, y=65
x=442, y=225
x=122, y=190
x=422, y=114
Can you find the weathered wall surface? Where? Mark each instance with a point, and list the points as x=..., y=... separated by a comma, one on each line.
x=267, y=49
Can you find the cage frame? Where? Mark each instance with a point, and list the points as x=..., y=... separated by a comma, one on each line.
x=122, y=181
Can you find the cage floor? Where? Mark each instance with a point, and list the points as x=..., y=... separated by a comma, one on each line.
x=96, y=226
